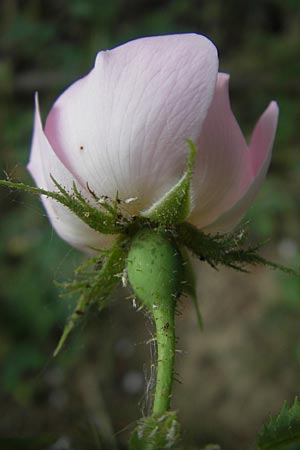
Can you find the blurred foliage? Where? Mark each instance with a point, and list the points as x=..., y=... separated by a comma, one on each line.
x=45, y=46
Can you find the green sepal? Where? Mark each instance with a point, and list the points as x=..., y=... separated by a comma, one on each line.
x=96, y=285
x=174, y=207
x=282, y=431
x=94, y=217
x=189, y=284
x=156, y=433
x=225, y=249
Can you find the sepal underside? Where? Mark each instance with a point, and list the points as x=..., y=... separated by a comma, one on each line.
x=174, y=207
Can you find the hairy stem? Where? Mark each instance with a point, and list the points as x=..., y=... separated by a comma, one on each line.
x=165, y=337
x=154, y=271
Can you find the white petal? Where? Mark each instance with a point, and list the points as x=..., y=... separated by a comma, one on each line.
x=123, y=127
x=43, y=163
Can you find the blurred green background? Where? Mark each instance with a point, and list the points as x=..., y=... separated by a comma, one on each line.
x=248, y=359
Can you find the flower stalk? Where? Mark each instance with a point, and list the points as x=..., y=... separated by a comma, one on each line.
x=165, y=340
x=154, y=272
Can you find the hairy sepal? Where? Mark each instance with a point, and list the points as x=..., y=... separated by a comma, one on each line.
x=95, y=218
x=228, y=250
x=94, y=286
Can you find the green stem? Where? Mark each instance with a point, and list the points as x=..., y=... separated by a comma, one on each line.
x=154, y=271
x=165, y=338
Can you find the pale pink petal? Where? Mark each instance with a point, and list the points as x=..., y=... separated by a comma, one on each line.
x=43, y=163
x=259, y=158
x=263, y=137
x=123, y=127
x=226, y=167
x=221, y=161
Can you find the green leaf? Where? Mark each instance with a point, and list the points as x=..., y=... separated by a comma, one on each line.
x=96, y=285
x=174, y=207
x=282, y=431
